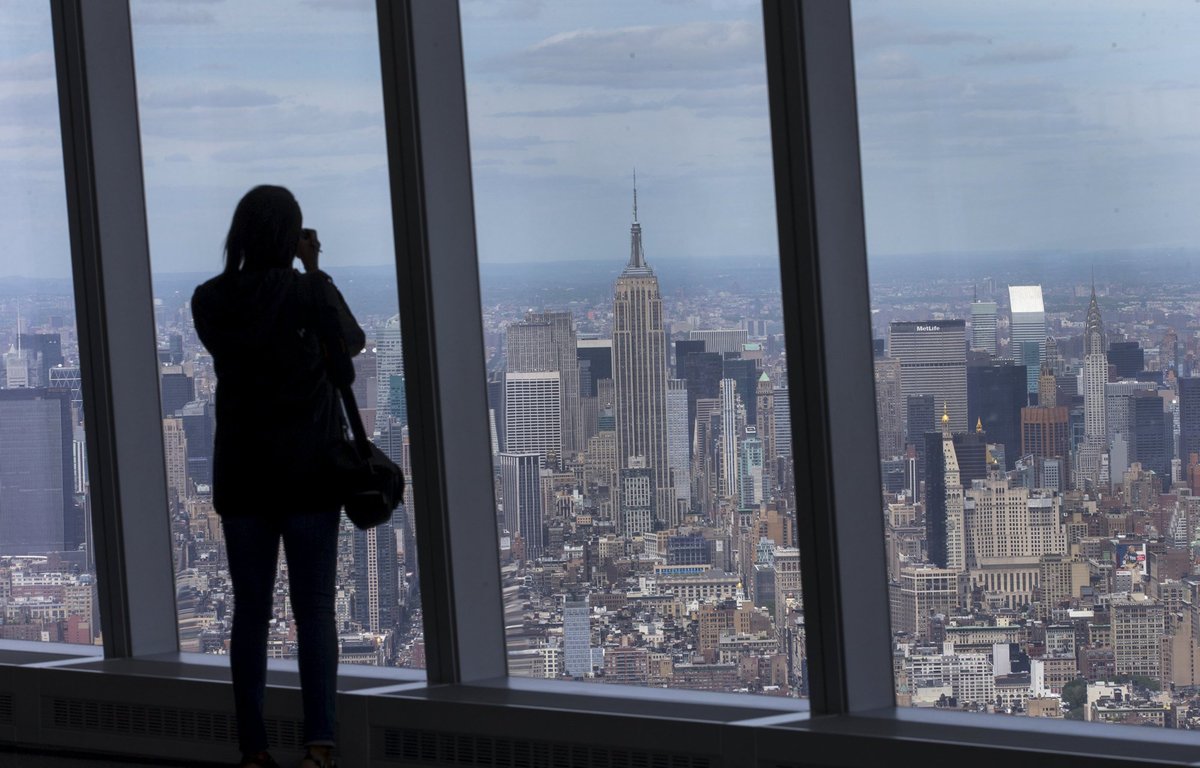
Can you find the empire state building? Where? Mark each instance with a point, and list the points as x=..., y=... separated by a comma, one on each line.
x=640, y=377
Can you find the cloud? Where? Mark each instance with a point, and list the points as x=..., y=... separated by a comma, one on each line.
x=35, y=66
x=267, y=123
x=875, y=32
x=37, y=110
x=302, y=148
x=170, y=14
x=717, y=102
x=506, y=143
x=511, y=10
x=888, y=65
x=601, y=105
x=1022, y=53
x=208, y=98
x=692, y=55
x=341, y=5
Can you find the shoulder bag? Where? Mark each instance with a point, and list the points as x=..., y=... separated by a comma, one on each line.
x=368, y=483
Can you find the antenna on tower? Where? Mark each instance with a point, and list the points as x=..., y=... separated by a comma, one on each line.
x=635, y=193
x=18, y=326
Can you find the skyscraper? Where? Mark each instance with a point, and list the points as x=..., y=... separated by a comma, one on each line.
x=1028, y=327
x=199, y=425
x=1044, y=434
x=532, y=419
x=702, y=371
x=597, y=353
x=1095, y=375
x=750, y=470
x=1127, y=358
x=683, y=349
x=637, y=513
x=175, y=451
x=944, y=513
x=1007, y=523
x=745, y=373
x=594, y=357
x=888, y=407
x=996, y=392
x=542, y=342
x=46, y=349
x=176, y=388
x=521, y=494
x=933, y=361
x=1151, y=435
x=919, y=421
x=37, y=506
x=721, y=340
x=983, y=325
x=495, y=399
x=640, y=371
x=376, y=579
x=782, y=413
x=577, y=637
x=1116, y=407
x=766, y=428
x=729, y=438
x=1189, y=417
x=389, y=362
x=678, y=443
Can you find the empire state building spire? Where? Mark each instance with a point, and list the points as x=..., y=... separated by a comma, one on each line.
x=637, y=258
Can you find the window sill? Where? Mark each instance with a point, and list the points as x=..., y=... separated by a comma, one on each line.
x=922, y=736
x=722, y=729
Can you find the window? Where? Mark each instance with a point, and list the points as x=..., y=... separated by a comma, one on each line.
x=47, y=563
x=1028, y=182
x=229, y=98
x=633, y=326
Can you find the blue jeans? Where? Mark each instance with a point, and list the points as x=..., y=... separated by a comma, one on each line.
x=252, y=547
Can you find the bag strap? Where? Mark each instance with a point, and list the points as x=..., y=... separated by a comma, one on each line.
x=350, y=405
x=338, y=355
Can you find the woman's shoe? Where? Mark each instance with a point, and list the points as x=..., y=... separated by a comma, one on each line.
x=258, y=760
x=312, y=760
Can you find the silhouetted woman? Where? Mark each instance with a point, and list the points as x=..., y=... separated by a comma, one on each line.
x=277, y=414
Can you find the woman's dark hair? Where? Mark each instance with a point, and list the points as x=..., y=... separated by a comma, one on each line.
x=265, y=230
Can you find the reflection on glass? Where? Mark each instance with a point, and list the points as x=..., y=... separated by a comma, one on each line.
x=1030, y=179
x=47, y=569
x=231, y=96
x=633, y=326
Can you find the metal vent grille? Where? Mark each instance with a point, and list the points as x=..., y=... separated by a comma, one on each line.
x=409, y=746
x=6, y=709
x=160, y=722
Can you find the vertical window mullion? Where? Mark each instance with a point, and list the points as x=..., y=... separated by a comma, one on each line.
x=115, y=316
x=814, y=126
x=441, y=320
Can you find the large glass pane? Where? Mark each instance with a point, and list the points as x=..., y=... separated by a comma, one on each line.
x=1030, y=174
x=646, y=511
x=234, y=95
x=47, y=567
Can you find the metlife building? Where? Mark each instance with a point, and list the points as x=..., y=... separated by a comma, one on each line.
x=933, y=361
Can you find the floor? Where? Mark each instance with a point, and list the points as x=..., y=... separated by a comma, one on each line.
x=26, y=759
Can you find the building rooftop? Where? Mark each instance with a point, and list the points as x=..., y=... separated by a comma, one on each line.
x=1026, y=298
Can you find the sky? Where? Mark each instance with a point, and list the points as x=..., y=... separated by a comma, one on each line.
x=985, y=127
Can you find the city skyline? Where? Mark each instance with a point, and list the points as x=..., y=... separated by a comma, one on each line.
x=1036, y=357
